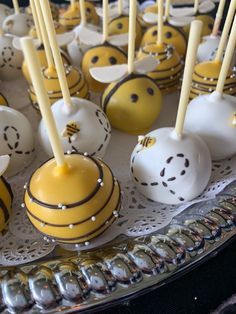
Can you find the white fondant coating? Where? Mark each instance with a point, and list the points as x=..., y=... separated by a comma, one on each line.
x=173, y=170
x=94, y=128
x=16, y=139
x=18, y=24
x=4, y=163
x=211, y=117
x=207, y=48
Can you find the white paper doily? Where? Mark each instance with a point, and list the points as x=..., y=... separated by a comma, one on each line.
x=138, y=216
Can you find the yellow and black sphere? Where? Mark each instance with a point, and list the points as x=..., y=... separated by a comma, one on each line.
x=77, y=84
x=75, y=206
x=6, y=198
x=3, y=100
x=100, y=56
x=169, y=69
x=208, y=23
x=205, y=78
x=132, y=104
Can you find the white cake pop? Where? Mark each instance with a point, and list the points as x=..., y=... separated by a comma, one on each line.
x=11, y=59
x=169, y=165
x=16, y=139
x=4, y=12
x=18, y=24
x=213, y=116
x=85, y=129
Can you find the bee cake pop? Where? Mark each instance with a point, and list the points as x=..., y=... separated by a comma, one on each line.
x=169, y=68
x=206, y=73
x=17, y=24
x=102, y=54
x=4, y=12
x=6, y=195
x=132, y=102
x=16, y=139
x=168, y=165
x=3, y=100
x=70, y=198
x=213, y=116
x=172, y=35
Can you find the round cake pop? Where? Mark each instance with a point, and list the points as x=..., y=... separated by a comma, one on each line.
x=213, y=116
x=169, y=68
x=3, y=100
x=4, y=12
x=168, y=165
x=16, y=139
x=71, y=17
x=10, y=59
x=70, y=198
x=208, y=23
x=6, y=195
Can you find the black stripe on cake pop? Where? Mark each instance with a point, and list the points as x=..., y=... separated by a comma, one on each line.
x=8, y=187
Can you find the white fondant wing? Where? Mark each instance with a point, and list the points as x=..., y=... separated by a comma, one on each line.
x=146, y=4
x=4, y=162
x=145, y=65
x=119, y=40
x=17, y=44
x=110, y=73
x=206, y=6
x=65, y=38
x=150, y=17
x=180, y=21
x=181, y=11
x=90, y=37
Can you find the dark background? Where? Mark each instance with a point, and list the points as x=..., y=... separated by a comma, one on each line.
x=198, y=292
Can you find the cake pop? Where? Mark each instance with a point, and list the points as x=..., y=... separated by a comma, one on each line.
x=16, y=139
x=70, y=198
x=17, y=24
x=60, y=29
x=217, y=112
x=71, y=17
x=6, y=195
x=169, y=68
x=168, y=165
x=172, y=35
x=132, y=101
x=102, y=54
x=4, y=12
x=210, y=43
x=206, y=73
x=3, y=100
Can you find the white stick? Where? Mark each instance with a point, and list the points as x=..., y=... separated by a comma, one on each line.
x=16, y=6
x=167, y=10
x=36, y=21
x=160, y=23
x=193, y=42
x=227, y=59
x=82, y=12
x=43, y=100
x=43, y=30
x=55, y=51
x=225, y=33
x=218, y=18
x=105, y=20
x=196, y=6
x=132, y=33
x=120, y=7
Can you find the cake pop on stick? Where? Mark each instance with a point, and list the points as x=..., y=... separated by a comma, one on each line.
x=206, y=73
x=170, y=67
x=210, y=43
x=70, y=198
x=170, y=165
x=213, y=116
x=132, y=101
x=81, y=124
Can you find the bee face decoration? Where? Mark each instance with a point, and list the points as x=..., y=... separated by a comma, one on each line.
x=18, y=24
x=87, y=129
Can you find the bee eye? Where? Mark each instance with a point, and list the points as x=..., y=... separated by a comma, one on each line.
x=119, y=25
x=154, y=33
x=112, y=60
x=88, y=10
x=210, y=26
x=134, y=97
x=94, y=59
x=168, y=35
x=150, y=91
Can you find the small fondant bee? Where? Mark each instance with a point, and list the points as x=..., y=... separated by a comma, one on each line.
x=146, y=141
x=71, y=131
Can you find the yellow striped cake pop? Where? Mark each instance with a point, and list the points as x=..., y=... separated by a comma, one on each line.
x=208, y=23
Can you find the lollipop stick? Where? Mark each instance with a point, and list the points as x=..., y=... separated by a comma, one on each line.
x=224, y=35
x=120, y=7
x=82, y=12
x=43, y=100
x=218, y=18
x=55, y=51
x=16, y=6
x=160, y=23
x=167, y=10
x=193, y=42
x=132, y=35
x=196, y=6
x=36, y=21
x=44, y=35
x=105, y=20
x=227, y=59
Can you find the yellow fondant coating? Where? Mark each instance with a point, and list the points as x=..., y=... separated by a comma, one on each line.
x=172, y=35
x=104, y=55
x=127, y=115
x=5, y=203
x=208, y=23
x=78, y=222
x=169, y=69
x=3, y=100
